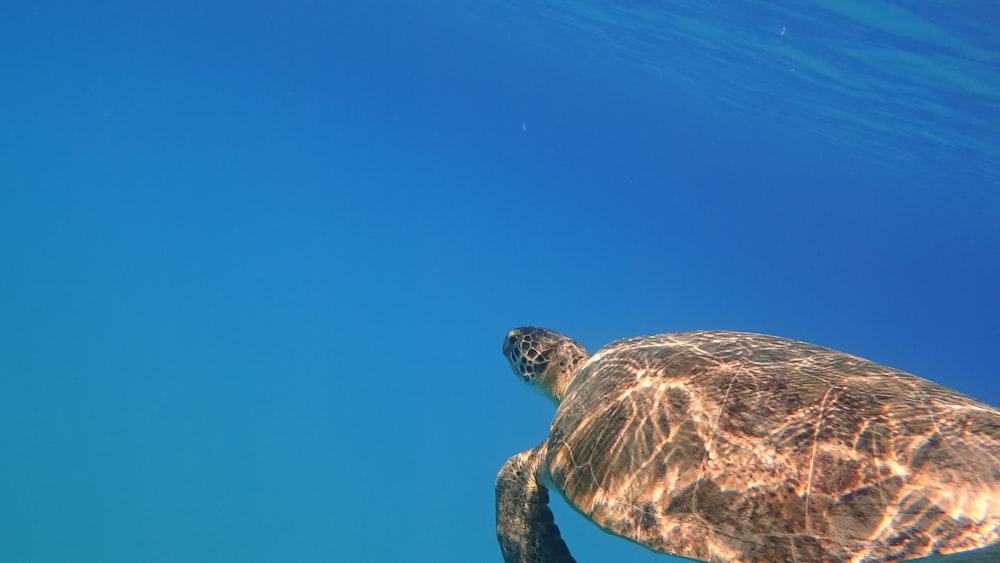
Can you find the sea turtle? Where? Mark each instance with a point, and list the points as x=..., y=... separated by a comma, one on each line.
x=738, y=447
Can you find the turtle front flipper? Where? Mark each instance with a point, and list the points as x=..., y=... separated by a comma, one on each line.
x=526, y=528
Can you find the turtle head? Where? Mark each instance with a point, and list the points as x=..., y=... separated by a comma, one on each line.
x=546, y=360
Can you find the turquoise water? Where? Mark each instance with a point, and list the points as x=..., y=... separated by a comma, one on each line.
x=258, y=259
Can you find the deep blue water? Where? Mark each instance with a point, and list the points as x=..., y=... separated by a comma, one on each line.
x=257, y=259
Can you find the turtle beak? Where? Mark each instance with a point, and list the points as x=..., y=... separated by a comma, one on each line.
x=512, y=351
x=508, y=343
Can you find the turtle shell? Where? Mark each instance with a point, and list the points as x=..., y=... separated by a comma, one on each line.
x=726, y=446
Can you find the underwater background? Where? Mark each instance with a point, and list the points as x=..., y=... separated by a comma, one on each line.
x=257, y=259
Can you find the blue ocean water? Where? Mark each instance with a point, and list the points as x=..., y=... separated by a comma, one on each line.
x=258, y=258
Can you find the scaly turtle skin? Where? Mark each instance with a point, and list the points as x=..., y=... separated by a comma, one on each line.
x=736, y=447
